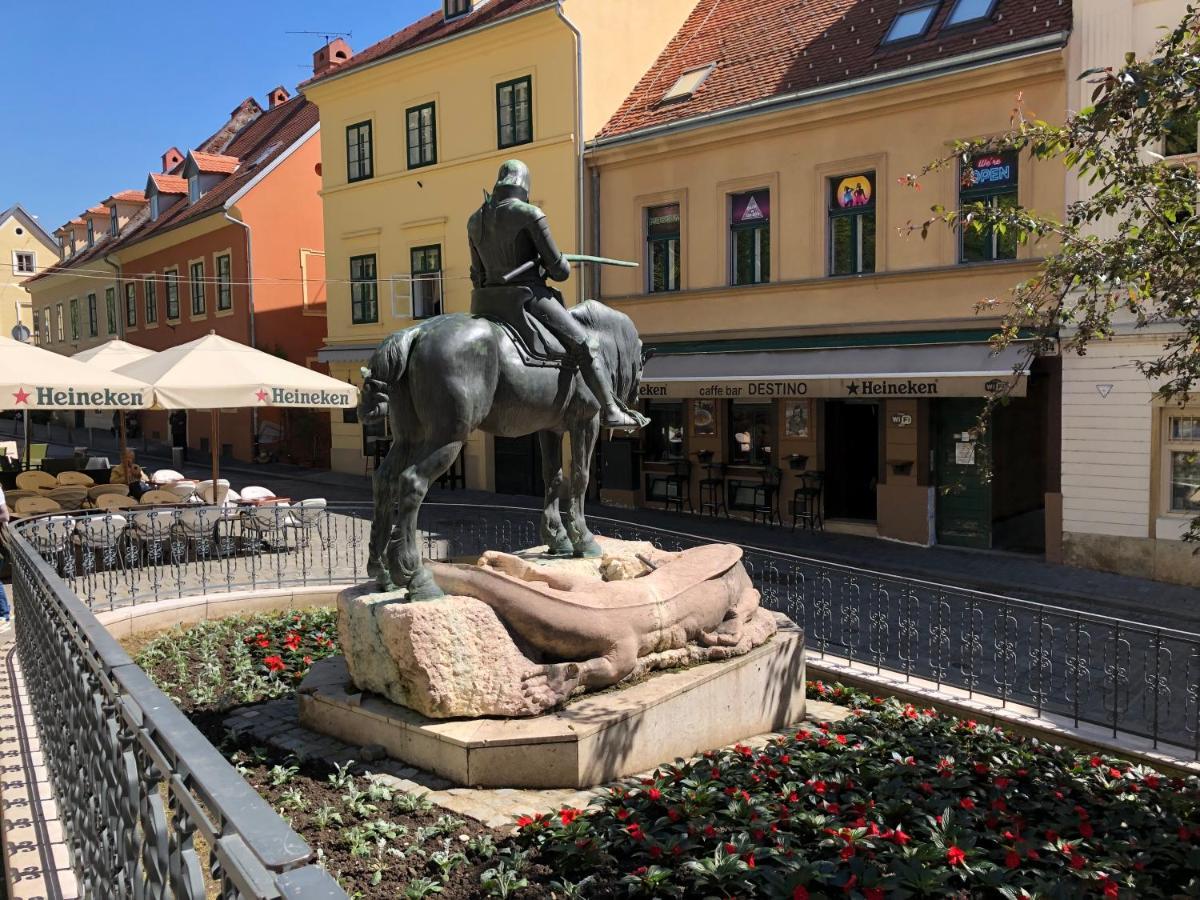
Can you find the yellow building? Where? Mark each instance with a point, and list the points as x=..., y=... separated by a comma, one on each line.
x=414, y=128
x=807, y=351
x=25, y=249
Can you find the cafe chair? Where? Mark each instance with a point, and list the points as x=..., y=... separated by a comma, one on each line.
x=807, y=500
x=36, y=480
x=677, y=487
x=196, y=526
x=115, y=501
x=165, y=476
x=35, y=506
x=152, y=529
x=307, y=516
x=69, y=497
x=254, y=494
x=159, y=498
x=183, y=491
x=766, y=497
x=99, y=490
x=37, y=453
x=99, y=539
x=51, y=537
x=268, y=524
x=712, y=489
x=217, y=497
x=71, y=478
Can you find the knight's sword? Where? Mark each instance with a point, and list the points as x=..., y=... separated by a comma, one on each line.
x=571, y=258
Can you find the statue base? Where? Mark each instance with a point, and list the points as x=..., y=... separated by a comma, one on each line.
x=594, y=739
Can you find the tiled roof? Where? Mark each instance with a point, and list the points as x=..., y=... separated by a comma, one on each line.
x=215, y=163
x=97, y=211
x=169, y=184
x=767, y=48
x=127, y=197
x=433, y=27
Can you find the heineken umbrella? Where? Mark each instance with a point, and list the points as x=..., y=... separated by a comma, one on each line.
x=111, y=355
x=215, y=373
x=34, y=379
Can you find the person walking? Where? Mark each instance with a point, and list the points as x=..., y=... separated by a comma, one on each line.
x=4, y=610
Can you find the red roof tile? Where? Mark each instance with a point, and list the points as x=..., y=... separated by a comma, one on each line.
x=127, y=197
x=768, y=48
x=433, y=27
x=96, y=211
x=169, y=184
x=215, y=163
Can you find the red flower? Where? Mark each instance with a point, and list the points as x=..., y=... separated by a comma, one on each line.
x=1012, y=859
x=847, y=851
x=568, y=815
x=900, y=837
x=1114, y=773
x=275, y=663
x=955, y=856
x=1076, y=861
x=749, y=858
x=635, y=830
x=873, y=893
x=1152, y=782
x=799, y=892
x=841, y=739
x=622, y=814
x=1085, y=829
x=1095, y=761
x=966, y=803
x=524, y=821
x=709, y=831
x=981, y=768
x=1002, y=783
x=730, y=848
x=654, y=794
x=292, y=641
x=262, y=641
x=1111, y=889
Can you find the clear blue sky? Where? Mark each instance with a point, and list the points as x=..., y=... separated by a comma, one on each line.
x=97, y=91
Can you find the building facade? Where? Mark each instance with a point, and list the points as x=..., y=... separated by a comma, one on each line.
x=25, y=249
x=807, y=349
x=414, y=130
x=1130, y=473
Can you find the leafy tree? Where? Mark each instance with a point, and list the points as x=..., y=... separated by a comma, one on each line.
x=1128, y=253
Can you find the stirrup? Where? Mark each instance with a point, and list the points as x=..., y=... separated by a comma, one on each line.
x=623, y=420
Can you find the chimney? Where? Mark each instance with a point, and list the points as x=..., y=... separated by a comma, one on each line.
x=278, y=95
x=171, y=159
x=330, y=57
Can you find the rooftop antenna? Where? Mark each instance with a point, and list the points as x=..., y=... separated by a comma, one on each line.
x=328, y=35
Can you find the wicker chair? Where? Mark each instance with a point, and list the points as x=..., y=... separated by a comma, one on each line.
x=71, y=478
x=36, y=480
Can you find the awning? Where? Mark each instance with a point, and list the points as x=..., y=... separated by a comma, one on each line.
x=935, y=370
x=354, y=353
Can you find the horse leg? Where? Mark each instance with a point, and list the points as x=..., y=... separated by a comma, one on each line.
x=554, y=535
x=384, y=485
x=583, y=445
x=404, y=556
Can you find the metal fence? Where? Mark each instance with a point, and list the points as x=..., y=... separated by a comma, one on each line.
x=136, y=783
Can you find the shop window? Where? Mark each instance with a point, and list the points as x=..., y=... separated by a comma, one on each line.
x=852, y=224
x=1183, y=463
x=93, y=316
x=359, y=165
x=151, y=301
x=664, y=434
x=990, y=181
x=514, y=112
x=364, y=289
x=1181, y=136
x=197, y=271
x=426, y=281
x=422, y=136
x=130, y=305
x=750, y=237
x=662, y=247
x=751, y=431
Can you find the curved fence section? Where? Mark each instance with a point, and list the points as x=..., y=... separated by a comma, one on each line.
x=1123, y=676
x=137, y=785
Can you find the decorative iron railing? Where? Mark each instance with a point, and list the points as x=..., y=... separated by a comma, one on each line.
x=137, y=785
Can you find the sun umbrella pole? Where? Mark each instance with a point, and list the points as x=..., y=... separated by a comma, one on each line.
x=216, y=447
x=28, y=454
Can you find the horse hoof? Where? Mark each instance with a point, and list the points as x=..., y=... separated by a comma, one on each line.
x=588, y=550
x=423, y=588
x=560, y=548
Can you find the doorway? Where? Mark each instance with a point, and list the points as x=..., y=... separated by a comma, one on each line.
x=852, y=436
x=518, y=465
x=964, y=499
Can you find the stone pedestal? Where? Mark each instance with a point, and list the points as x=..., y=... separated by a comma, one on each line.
x=593, y=739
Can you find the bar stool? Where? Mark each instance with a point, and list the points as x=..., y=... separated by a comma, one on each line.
x=807, y=501
x=712, y=489
x=766, y=497
x=678, y=487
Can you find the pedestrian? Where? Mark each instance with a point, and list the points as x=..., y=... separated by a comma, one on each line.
x=4, y=611
x=130, y=473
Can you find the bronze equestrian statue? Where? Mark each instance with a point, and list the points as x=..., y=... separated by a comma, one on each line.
x=521, y=364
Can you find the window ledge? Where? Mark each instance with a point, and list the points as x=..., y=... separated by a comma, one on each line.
x=224, y=313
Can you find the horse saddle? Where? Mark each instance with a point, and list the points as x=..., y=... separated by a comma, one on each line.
x=506, y=306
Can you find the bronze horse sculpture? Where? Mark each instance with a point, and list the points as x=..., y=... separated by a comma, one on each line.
x=440, y=380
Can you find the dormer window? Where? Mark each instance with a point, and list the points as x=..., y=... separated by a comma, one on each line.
x=154, y=206
x=73, y=243
x=456, y=8
x=91, y=232
x=62, y=246
x=194, y=187
x=113, y=226
x=967, y=11
x=911, y=24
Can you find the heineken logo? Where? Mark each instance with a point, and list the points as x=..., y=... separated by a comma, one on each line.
x=285, y=397
x=77, y=398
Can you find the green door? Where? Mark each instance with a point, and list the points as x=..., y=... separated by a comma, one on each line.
x=964, y=501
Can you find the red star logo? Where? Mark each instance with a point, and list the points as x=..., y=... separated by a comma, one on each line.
x=261, y=395
x=21, y=396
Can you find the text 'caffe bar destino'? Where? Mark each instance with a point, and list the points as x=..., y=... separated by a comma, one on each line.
x=846, y=433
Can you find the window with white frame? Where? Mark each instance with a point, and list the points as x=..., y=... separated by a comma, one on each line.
x=224, y=283
x=151, y=301
x=38, y=336
x=197, y=271
x=1183, y=463
x=24, y=262
x=426, y=281
x=171, y=281
x=130, y=304
x=59, y=323
x=194, y=188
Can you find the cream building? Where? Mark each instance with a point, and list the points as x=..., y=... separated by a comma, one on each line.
x=25, y=249
x=413, y=130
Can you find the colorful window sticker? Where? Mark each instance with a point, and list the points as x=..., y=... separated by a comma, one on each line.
x=854, y=191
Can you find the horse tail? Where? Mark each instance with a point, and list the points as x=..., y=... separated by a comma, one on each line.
x=387, y=366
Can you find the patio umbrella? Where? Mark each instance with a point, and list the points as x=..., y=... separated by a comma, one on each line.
x=111, y=355
x=215, y=373
x=32, y=378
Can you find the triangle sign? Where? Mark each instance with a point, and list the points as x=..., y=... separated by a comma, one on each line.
x=752, y=210
x=1104, y=389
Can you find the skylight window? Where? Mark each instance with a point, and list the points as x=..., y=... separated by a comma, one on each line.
x=689, y=82
x=911, y=23
x=970, y=11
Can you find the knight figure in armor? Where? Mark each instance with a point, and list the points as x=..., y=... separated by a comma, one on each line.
x=511, y=246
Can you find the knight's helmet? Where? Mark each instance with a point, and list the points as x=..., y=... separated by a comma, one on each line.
x=513, y=181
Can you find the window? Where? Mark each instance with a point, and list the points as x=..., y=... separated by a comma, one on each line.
x=910, y=24
x=224, y=283
x=422, y=136
x=364, y=290
x=74, y=318
x=1181, y=136
x=662, y=247
x=456, y=8
x=514, y=112
x=989, y=181
x=750, y=237
x=38, y=337
x=91, y=232
x=73, y=240
x=113, y=228
x=172, y=288
x=966, y=11
x=197, y=272
x=664, y=434
x=750, y=433
x=852, y=224
x=24, y=262
x=688, y=83
x=151, y=301
x=93, y=317
x=62, y=246
x=1183, y=454
x=130, y=304
x=194, y=188
x=154, y=206
x=358, y=152
x=110, y=309
x=426, y=281
x=59, y=322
